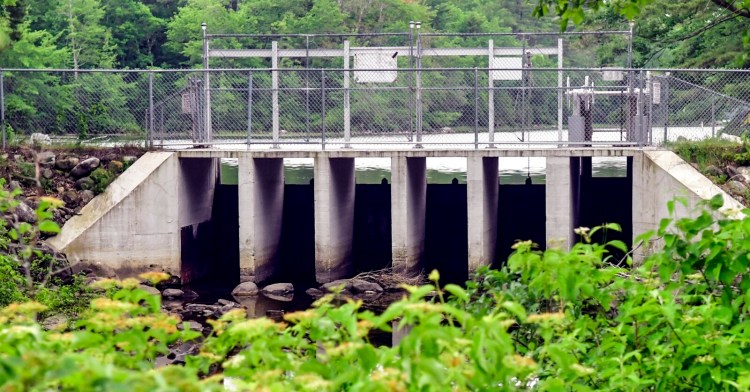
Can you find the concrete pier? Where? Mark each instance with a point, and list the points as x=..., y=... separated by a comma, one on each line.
x=334, y=217
x=261, y=203
x=483, y=190
x=409, y=205
x=559, y=198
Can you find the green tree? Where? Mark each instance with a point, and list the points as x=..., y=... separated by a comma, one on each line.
x=89, y=41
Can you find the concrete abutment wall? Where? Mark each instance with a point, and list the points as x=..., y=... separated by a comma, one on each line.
x=159, y=211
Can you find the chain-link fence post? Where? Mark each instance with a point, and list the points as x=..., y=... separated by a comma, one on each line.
x=323, y=109
x=476, y=108
x=419, y=87
x=275, y=92
x=490, y=96
x=665, y=105
x=2, y=107
x=411, y=80
x=307, y=88
x=150, y=129
x=249, y=108
x=640, y=119
x=347, y=107
x=650, y=84
x=713, y=116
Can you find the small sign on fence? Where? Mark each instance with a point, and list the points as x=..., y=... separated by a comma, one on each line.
x=512, y=64
x=656, y=93
x=374, y=63
x=187, y=102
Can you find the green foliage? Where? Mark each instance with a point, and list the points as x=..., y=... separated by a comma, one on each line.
x=102, y=178
x=718, y=152
x=11, y=282
x=552, y=320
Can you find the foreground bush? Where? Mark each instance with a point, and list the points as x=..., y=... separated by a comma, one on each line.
x=553, y=321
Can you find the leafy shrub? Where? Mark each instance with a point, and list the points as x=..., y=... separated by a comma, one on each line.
x=102, y=178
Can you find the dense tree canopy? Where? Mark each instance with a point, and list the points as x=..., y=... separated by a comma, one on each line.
x=166, y=33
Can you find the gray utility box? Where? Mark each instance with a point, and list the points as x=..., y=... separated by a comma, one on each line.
x=576, y=129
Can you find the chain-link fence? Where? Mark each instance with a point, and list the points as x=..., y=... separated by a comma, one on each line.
x=376, y=107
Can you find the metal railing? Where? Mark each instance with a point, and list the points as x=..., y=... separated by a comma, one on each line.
x=375, y=108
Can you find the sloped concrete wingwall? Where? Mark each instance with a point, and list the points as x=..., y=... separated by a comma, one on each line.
x=660, y=176
x=134, y=226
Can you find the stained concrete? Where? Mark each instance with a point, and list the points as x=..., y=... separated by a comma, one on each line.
x=559, y=202
x=482, y=202
x=334, y=218
x=133, y=226
x=261, y=202
x=409, y=206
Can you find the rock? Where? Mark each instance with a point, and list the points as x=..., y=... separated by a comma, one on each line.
x=368, y=292
x=109, y=157
x=247, y=278
x=18, y=158
x=172, y=293
x=47, y=173
x=245, y=289
x=337, y=283
x=55, y=322
x=313, y=292
x=14, y=185
x=46, y=159
x=192, y=324
x=115, y=166
x=66, y=163
x=280, y=297
x=85, y=183
x=87, y=196
x=25, y=213
x=39, y=139
x=744, y=173
x=149, y=289
x=731, y=171
x=128, y=159
x=278, y=288
x=60, y=189
x=736, y=187
x=85, y=168
x=225, y=302
x=71, y=198
x=360, y=285
x=714, y=171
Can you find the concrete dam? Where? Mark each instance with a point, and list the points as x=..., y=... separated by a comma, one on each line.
x=170, y=212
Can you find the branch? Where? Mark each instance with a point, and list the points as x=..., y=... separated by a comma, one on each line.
x=743, y=12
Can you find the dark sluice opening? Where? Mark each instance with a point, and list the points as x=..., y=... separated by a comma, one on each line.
x=297, y=246
x=520, y=216
x=214, y=250
x=607, y=200
x=447, y=232
x=372, y=227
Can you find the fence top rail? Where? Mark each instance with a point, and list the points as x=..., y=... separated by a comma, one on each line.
x=334, y=35
x=519, y=34
x=423, y=69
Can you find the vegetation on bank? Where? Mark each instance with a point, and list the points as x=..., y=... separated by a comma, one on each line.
x=725, y=162
x=553, y=320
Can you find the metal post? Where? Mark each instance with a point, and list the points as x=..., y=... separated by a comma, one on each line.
x=491, y=95
x=323, y=109
x=650, y=113
x=639, y=111
x=713, y=116
x=347, y=107
x=419, y=87
x=275, y=93
x=630, y=58
x=559, y=90
x=2, y=107
x=476, y=108
x=205, y=136
x=249, y=108
x=150, y=131
x=307, y=88
x=665, y=104
x=523, y=89
x=411, y=80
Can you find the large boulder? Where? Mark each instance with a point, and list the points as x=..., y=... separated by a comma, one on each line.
x=744, y=173
x=149, y=289
x=278, y=288
x=85, y=168
x=345, y=283
x=737, y=188
x=361, y=286
x=172, y=293
x=67, y=163
x=245, y=289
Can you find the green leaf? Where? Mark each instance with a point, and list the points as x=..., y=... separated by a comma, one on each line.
x=516, y=309
x=48, y=226
x=457, y=291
